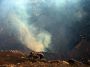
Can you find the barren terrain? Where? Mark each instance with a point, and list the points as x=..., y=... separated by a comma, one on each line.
x=14, y=58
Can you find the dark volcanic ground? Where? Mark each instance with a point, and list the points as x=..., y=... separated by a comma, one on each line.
x=15, y=58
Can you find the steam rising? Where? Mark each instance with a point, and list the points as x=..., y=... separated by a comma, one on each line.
x=42, y=24
x=27, y=38
x=18, y=18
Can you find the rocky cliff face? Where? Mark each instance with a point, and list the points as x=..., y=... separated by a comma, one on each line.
x=82, y=50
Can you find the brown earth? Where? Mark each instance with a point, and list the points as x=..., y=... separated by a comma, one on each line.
x=14, y=58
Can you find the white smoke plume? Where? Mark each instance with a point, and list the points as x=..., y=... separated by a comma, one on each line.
x=41, y=24
x=17, y=16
